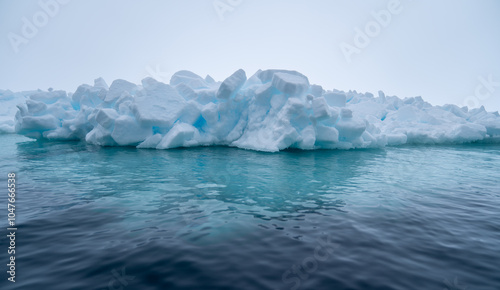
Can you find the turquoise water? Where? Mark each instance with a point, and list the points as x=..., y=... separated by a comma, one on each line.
x=412, y=217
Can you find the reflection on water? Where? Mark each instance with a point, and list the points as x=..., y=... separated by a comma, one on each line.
x=270, y=185
x=227, y=218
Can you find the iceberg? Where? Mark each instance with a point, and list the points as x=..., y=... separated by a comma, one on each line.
x=8, y=109
x=271, y=110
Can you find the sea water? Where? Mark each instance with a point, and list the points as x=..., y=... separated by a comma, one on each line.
x=411, y=217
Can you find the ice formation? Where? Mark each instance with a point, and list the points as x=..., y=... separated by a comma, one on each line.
x=8, y=109
x=270, y=111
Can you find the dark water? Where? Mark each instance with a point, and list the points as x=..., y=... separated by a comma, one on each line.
x=414, y=217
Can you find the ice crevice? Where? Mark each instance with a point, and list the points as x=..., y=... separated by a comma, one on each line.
x=270, y=111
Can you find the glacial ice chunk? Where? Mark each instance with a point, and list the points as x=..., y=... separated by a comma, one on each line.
x=270, y=111
x=291, y=85
x=231, y=85
x=180, y=135
x=117, y=88
x=190, y=79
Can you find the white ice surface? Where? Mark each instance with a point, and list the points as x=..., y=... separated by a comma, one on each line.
x=270, y=111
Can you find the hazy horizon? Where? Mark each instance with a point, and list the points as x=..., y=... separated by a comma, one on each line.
x=445, y=52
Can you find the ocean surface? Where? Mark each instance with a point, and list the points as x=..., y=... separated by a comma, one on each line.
x=410, y=217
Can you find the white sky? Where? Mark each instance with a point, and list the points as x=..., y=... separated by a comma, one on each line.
x=436, y=49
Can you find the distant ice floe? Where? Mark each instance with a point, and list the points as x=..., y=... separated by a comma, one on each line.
x=270, y=111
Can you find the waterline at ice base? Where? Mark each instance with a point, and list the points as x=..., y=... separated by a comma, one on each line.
x=270, y=111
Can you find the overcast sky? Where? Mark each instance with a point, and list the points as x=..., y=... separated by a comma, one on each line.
x=446, y=51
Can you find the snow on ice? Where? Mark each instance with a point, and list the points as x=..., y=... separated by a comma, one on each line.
x=269, y=111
